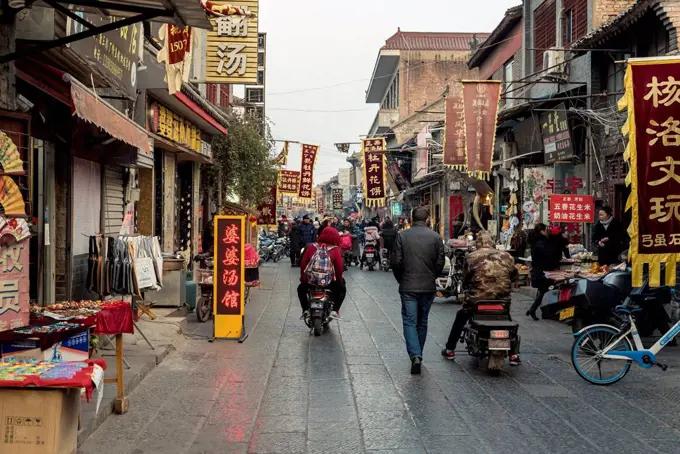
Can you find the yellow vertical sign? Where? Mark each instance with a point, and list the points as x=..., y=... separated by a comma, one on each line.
x=231, y=54
x=229, y=277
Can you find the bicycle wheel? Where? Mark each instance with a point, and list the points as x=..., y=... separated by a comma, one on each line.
x=585, y=359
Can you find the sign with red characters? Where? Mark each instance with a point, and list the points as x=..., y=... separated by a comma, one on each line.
x=229, y=277
x=571, y=208
x=307, y=172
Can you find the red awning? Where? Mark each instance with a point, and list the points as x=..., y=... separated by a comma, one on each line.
x=85, y=103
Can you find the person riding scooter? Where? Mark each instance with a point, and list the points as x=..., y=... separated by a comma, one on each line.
x=488, y=275
x=371, y=238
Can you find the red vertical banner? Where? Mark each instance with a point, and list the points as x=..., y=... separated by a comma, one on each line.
x=652, y=97
x=289, y=182
x=306, y=191
x=454, y=136
x=229, y=279
x=480, y=105
x=179, y=43
x=267, y=210
x=375, y=168
x=455, y=208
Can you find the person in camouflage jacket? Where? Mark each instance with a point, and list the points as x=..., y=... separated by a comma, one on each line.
x=488, y=274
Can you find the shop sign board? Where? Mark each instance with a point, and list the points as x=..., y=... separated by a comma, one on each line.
x=528, y=136
x=556, y=137
x=176, y=128
x=229, y=278
x=232, y=45
x=116, y=53
x=572, y=208
x=337, y=199
x=14, y=286
x=289, y=182
x=375, y=168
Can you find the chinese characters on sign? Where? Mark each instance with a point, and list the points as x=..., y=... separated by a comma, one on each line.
x=320, y=205
x=373, y=152
x=267, y=210
x=654, y=155
x=480, y=106
x=454, y=137
x=556, y=138
x=289, y=182
x=307, y=172
x=571, y=208
x=229, y=265
x=337, y=199
x=14, y=286
x=172, y=126
x=232, y=45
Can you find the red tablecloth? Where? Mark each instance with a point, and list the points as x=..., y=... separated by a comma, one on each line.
x=46, y=339
x=115, y=320
x=83, y=379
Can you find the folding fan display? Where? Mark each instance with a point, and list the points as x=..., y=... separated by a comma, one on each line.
x=11, y=201
x=18, y=228
x=10, y=159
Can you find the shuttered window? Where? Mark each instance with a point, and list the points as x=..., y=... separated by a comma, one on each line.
x=211, y=92
x=574, y=21
x=545, y=31
x=114, y=200
x=224, y=95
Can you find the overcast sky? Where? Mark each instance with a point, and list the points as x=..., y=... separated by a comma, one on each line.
x=333, y=46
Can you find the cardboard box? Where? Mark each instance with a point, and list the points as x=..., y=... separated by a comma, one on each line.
x=39, y=421
x=75, y=348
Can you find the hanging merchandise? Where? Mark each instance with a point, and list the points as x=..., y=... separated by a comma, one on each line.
x=11, y=201
x=480, y=103
x=147, y=262
x=10, y=159
x=176, y=53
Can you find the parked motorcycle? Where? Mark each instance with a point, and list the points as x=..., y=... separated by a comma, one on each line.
x=320, y=307
x=280, y=246
x=450, y=284
x=370, y=259
x=385, y=259
x=204, y=279
x=267, y=243
x=491, y=333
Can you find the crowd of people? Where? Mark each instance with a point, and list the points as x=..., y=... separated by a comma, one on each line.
x=417, y=259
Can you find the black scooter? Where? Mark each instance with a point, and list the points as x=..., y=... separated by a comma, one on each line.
x=491, y=333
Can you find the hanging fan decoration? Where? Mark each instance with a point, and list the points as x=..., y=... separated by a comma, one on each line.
x=17, y=228
x=11, y=201
x=10, y=159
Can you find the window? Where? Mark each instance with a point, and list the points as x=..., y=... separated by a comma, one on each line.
x=567, y=27
x=254, y=95
x=545, y=26
x=261, y=41
x=507, y=79
x=260, y=59
x=615, y=73
x=224, y=95
x=211, y=92
x=260, y=77
x=391, y=100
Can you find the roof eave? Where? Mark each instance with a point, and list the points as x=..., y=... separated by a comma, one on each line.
x=372, y=93
x=501, y=29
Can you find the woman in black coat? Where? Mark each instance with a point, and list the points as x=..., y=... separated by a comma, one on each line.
x=609, y=236
x=543, y=258
x=295, y=243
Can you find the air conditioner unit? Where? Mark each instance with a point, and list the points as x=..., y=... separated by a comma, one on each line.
x=553, y=61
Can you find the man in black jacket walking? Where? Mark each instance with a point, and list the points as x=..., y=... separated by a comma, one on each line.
x=417, y=260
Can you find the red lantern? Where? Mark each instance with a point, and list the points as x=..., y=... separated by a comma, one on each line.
x=253, y=219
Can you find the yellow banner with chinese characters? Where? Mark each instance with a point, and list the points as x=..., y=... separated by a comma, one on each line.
x=232, y=44
x=652, y=100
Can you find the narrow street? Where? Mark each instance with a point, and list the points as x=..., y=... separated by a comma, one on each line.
x=350, y=391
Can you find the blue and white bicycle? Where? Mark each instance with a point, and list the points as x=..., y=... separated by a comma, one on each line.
x=603, y=354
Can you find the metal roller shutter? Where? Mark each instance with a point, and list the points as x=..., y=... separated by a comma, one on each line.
x=114, y=200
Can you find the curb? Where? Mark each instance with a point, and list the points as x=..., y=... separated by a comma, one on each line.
x=132, y=381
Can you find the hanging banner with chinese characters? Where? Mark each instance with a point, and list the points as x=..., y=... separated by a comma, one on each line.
x=267, y=210
x=229, y=278
x=652, y=97
x=306, y=191
x=321, y=206
x=480, y=105
x=337, y=199
x=14, y=284
x=571, y=208
x=289, y=182
x=375, y=169
x=176, y=54
x=231, y=54
x=454, y=135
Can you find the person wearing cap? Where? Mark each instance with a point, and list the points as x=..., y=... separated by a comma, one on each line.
x=307, y=232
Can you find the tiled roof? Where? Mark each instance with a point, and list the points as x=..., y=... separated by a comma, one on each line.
x=432, y=41
x=626, y=17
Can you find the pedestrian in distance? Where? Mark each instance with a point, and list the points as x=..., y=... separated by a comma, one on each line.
x=546, y=253
x=307, y=232
x=609, y=236
x=295, y=244
x=417, y=260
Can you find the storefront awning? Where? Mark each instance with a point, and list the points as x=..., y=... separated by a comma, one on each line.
x=89, y=107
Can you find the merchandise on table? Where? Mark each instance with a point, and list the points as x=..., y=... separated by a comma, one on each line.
x=18, y=369
x=48, y=329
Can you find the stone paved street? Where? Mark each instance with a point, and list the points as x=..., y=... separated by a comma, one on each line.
x=350, y=391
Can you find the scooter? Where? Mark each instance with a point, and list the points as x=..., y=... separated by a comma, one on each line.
x=204, y=279
x=369, y=257
x=450, y=284
x=320, y=306
x=491, y=334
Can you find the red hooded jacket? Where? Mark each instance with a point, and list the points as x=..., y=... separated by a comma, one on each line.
x=330, y=237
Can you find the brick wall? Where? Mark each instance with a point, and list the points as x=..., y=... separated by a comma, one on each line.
x=502, y=52
x=406, y=129
x=669, y=13
x=423, y=77
x=62, y=194
x=7, y=71
x=605, y=10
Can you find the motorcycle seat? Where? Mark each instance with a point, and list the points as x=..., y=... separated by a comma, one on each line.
x=495, y=323
x=621, y=309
